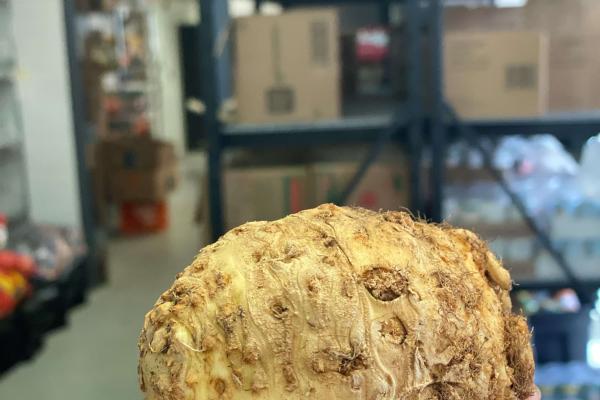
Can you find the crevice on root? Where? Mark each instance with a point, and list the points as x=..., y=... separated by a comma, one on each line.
x=279, y=310
x=519, y=356
x=385, y=284
x=342, y=362
x=393, y=330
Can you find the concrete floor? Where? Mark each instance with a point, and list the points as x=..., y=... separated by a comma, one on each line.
x=95, y=357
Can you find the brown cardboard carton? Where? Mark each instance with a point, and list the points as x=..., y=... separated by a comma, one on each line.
x=485, y=18
x=136, y=153
x=133, y=169
x=572, y=29
x=288, y=67
x=496, y=74
x=574, y=67
x=142, y=185
x=265, y=193
x=385, y=185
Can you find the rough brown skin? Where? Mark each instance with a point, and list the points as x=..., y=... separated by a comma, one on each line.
x=338, y=303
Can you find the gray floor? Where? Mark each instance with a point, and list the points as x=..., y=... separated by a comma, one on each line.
x=96, y=356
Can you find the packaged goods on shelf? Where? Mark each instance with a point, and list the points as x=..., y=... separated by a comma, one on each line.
x=288, y=67
x=547, y=179
x=53, y=249
x=15, y=271
x=496, y=74
x=13, y=289
x=372, y=48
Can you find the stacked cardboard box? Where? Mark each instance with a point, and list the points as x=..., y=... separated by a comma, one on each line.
x=572, y=29
x=272, y=192
x=95, y=5
x=133, y=170
x=288, y=67
x=136, y=168
x=496, y=74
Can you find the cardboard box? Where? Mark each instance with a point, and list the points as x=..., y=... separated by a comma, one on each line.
x=142, y=185
x=469, y=19
x=133, y=169
x=288, y=67
x=496, y=74
x=135, y=153
x=265, y=193
x=574, y=68
x=548, y=16
x=572, y=29
x=95, y=5
x=385, y=185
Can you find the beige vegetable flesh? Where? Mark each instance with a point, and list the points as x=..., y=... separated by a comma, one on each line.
x=338, y=303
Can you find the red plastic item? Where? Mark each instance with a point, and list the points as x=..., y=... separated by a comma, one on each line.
x=139, y=218
x=13, y=288
x=372, y=44
x=13, y=261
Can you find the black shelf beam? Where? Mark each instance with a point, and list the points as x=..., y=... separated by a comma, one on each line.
x=347, y=130
x=365, y=129
x=563, y=126
x=590, y=286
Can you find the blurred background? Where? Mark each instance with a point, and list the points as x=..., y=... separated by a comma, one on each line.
x=132, y=133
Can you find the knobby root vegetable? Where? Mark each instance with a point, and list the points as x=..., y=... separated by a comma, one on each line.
x=338, y=303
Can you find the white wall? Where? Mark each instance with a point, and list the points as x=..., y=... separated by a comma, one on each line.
x=166, y=91
x=44, y=92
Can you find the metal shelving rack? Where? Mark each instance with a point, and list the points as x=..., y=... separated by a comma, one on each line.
x=22, y=333
x=409, y=125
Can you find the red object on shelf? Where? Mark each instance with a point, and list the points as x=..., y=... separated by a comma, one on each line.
x=372, y=44
x=13, y=261
x=139, y=218
x=14, y=287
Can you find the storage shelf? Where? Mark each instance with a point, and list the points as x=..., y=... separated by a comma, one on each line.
x=562, y=125
x=22, y=333
x=351, y=129
x=553, y=285
x=366, y=128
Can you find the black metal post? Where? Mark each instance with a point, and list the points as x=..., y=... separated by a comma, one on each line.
x=82, y=138
x=415, y=102
x=384, y=12
x=438, y=133
x=213, y=29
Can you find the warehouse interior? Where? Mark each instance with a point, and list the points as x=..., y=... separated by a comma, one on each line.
x=133, y=133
